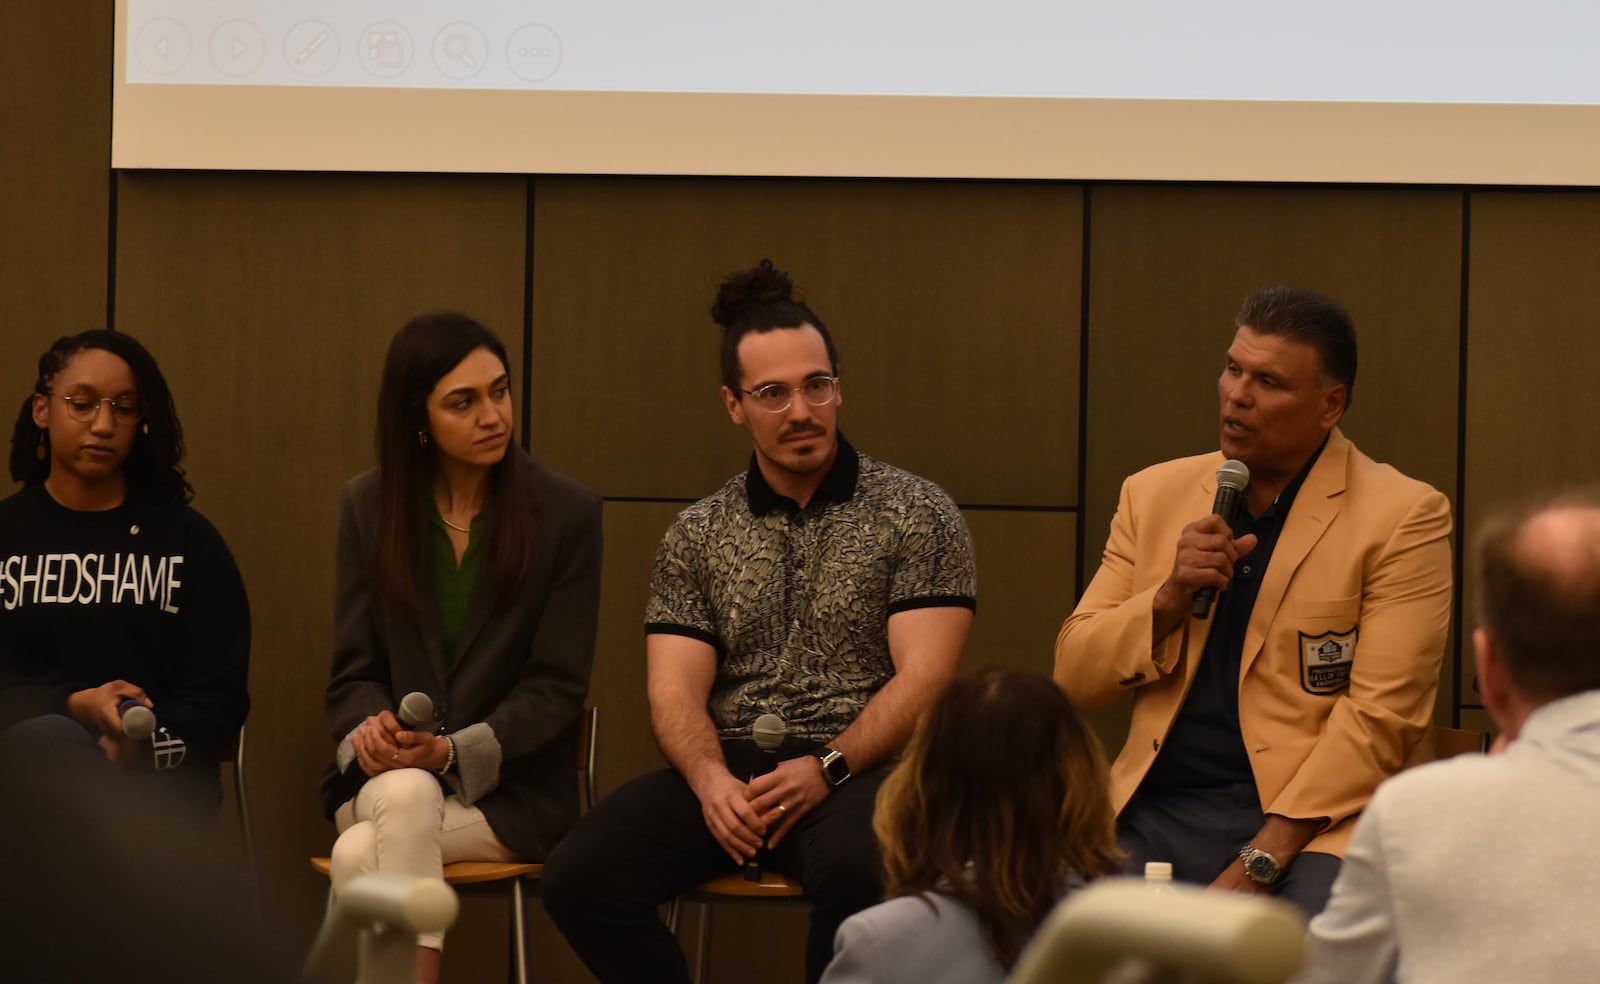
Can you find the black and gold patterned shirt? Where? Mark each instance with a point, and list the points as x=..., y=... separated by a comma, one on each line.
x=797, y=601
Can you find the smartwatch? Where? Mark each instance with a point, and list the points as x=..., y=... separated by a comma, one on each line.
x=833, y=765
x=1259, y=866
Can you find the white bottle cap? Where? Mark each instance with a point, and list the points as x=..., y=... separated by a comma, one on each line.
x=1158, y=870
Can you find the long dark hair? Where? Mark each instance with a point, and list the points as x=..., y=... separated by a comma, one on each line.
x=421, y=353
x=152, y=471
x=1002, y=792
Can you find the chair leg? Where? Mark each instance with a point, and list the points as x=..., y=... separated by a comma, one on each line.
x=703, y=947
x=518, y=969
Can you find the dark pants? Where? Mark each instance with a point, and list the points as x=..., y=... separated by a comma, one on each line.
x=1201, y=831
x=647, y=843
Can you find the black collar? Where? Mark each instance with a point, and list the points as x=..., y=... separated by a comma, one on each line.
x=837, y=486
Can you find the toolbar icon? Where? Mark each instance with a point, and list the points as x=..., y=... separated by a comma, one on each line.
x=385, y=49
x=311, y=48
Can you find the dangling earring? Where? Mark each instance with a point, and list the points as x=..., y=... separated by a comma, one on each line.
x=422, y=438
x=144, y=428
x=38, y=452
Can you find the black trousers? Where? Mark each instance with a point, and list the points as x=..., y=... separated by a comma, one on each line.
x=1201, y=831
x=647, y=843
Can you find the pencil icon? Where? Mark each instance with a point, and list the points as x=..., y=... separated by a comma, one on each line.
x=311, y=49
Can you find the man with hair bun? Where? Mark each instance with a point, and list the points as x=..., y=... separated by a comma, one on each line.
x=821, y=586
x=1482, y=868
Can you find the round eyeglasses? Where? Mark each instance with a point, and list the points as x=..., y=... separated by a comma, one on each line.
x=818, y=391
x=84, y=409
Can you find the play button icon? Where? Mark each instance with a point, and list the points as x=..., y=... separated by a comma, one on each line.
x=237, y=48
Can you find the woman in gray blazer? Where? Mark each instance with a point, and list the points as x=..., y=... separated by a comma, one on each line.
x=470, y=574
x=999, y=807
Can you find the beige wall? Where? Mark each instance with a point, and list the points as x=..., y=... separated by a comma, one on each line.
x=1025, y=344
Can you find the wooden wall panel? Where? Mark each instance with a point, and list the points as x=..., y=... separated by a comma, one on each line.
x=1532, y=420
x=627, y=747
x=954, y=306
x=269, y=301
x=55, y=150
x=1025, y=586
x=1168, y=269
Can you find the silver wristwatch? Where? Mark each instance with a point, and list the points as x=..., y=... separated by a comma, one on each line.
x=1259, y=866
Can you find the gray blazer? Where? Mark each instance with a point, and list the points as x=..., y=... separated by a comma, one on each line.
x=521, y=680
x=906, y=940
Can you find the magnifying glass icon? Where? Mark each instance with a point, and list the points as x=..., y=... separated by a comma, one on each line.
x=456, y=46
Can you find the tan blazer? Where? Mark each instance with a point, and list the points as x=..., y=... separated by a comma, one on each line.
x=1341, y=658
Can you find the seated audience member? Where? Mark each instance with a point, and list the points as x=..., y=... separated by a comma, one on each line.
x=1481, y=868
x=114, y=593
x=998, y=809
x=470, y=574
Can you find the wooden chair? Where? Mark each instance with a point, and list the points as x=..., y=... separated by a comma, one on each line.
x=772, y=888
x=469, y=877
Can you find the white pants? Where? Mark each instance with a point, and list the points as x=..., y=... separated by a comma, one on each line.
x=402, y=821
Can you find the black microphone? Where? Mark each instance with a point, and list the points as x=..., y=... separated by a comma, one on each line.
x=416, y=711
x=768, y=732
x=1232, y=477
x=138, y=721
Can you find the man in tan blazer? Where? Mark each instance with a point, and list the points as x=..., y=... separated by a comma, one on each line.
x=1261, y=728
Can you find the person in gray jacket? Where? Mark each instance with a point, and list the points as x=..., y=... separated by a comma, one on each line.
x=999, y=808
x=1468, y=869
x=468, y=573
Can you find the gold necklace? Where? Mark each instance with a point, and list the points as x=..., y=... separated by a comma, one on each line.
x=459, y=529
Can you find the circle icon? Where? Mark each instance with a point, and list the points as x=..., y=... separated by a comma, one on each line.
x=385, y=49
x=237, y=48
x=163, y=46
x=460, y=50
x=311, y=48
x=534, y=52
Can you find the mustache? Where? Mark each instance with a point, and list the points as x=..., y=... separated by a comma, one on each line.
x=804, y=430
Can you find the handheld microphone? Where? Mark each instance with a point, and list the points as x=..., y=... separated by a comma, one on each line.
x=138, y=721
x=768, y=732
x=1232, y=477
x=416, y=710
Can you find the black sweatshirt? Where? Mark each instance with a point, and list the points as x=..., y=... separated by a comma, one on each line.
x=146, y=592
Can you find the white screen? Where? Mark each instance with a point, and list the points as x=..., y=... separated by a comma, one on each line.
x=1429, y=91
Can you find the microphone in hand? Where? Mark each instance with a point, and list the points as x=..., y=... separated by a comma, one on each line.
x=138, y=721
x=1232, y=478
x=416, y=711
x=768, y=733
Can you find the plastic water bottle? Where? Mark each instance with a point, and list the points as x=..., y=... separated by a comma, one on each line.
x=1158, y=875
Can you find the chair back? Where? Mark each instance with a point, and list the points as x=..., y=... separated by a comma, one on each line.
x=1122, y=929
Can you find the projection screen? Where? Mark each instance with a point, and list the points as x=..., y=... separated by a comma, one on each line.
x=1414, y=91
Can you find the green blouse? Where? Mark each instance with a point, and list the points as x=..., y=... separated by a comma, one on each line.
x=454, y=582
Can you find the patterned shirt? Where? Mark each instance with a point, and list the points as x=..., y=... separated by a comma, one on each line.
x=797, y=601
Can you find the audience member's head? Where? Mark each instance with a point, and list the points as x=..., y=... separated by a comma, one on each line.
x=1538, y=605
x=1002, y=795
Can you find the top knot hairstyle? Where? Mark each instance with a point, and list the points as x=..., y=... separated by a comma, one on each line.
x=761, y=299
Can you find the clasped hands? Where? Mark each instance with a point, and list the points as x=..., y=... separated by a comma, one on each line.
x=741, y=815
x=382, y=743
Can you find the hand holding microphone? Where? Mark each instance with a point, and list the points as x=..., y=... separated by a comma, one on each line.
x=768, y=733
x=1232, y=478
x=138, y=721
